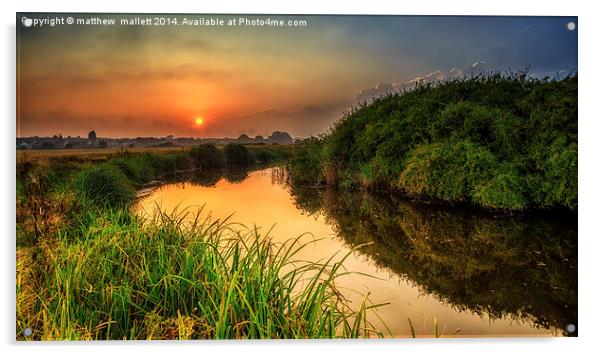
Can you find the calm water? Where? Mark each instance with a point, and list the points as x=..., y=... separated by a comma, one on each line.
x=465, y=270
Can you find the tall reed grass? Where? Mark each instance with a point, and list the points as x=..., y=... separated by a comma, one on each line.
x=179, y=276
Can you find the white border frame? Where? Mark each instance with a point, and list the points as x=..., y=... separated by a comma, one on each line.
x=590, y=319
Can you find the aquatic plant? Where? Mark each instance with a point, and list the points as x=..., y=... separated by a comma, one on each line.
x=120, y=277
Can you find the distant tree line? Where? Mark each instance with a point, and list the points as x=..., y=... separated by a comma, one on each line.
x=59, y=142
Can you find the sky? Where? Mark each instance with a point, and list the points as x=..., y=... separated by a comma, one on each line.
x=218, y=81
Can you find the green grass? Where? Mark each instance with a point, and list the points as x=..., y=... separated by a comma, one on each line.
x=87, y=268
x=104, y=185
x=118, y=277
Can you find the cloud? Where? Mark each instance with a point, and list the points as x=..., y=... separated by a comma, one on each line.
x=456, y=73
x=384, y=88
x=299, y=123
x=478, y=64
x=378, y=90
x=477, y=68
x=32, y=86
x=177, y=73
x=480, y=67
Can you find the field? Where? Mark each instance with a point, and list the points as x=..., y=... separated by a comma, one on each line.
x=90, y=154
x=105, y=153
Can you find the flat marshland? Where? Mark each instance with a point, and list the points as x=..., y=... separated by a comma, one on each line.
x=440, y=187
x=87, y=268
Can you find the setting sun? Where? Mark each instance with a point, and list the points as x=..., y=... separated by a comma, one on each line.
x=198, y=121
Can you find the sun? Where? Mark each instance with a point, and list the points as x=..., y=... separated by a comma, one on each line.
x=198, y=121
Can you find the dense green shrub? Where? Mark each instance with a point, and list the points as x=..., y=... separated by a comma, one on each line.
x=206, y=156
x=504, y=190
x=237, y=154
x=497, y=141
x=448, y=171
x=306, y=163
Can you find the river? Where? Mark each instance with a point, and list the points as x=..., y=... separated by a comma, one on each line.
x=468, y=272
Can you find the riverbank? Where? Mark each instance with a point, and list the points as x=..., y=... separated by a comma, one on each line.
x=87, y=268
x=497, y=142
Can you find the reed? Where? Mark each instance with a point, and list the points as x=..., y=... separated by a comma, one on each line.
x=180, y=276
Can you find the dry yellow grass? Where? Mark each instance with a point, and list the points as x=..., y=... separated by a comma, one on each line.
x=103, y=154
x=92, y=154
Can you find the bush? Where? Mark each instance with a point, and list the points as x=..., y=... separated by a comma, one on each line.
x=557, y=185
x=503, y=191
x=104, y=185
x=447, y=171
x=438, y=140
x=462, y=172
x=172, y=163
x=306, y=163
x=264, y=155
x=237, y=154
x=206, y=155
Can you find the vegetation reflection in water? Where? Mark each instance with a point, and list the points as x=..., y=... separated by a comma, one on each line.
x=521, y=267
x=518, y=268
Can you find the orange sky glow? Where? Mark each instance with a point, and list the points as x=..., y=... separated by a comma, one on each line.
x=130, y=81
x=157, y=81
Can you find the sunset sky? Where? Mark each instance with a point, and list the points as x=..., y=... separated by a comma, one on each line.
x=128, y=81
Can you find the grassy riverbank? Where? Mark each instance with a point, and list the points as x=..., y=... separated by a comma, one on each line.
x=501, y=142
x=89, y=269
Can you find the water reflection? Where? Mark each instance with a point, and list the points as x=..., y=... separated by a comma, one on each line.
x=484, y=274
x=502, y=267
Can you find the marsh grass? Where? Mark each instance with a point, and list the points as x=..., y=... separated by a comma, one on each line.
x=180, y=276
x=104, y=185
x=437, y=332
x=89, y=268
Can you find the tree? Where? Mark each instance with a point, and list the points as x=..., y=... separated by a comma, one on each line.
x=206, y=155
x=280, y=137
x=243, y=137
x=237, y=154
x=92, y=137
